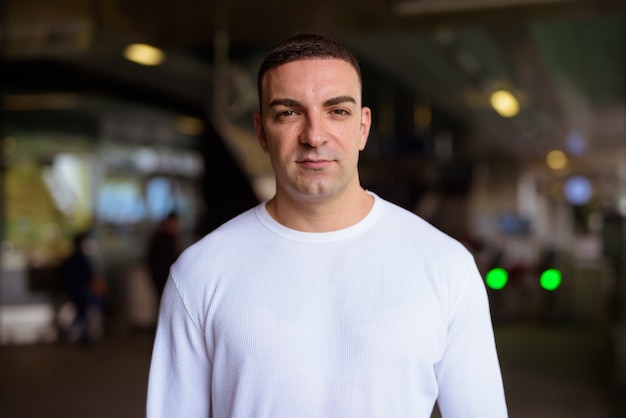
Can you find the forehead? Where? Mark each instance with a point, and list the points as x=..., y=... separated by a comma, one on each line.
x=320, y=75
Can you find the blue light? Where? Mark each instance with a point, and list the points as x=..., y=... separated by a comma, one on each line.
x=578, y=190
x=576, y=143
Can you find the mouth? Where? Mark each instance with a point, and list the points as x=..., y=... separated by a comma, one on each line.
x=313, y=164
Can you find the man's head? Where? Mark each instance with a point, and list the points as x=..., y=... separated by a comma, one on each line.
x=305, y=47
x=312, y=123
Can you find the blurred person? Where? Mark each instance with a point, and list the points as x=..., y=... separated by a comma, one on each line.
x=163, y=250
x=326, y=300
x=79, y=277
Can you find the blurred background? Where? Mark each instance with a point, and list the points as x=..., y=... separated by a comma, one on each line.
x=502, y=122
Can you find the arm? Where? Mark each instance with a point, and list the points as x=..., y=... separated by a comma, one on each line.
x=470, y=382
x=180, y=372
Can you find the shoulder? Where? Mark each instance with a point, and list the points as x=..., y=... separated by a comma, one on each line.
x=219, y=246
x=448, y=264
x=433, y=254
x=409, y=227
x=231, y=231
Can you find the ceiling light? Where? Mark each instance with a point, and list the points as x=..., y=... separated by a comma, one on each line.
x=504, y=103
x=188, y=125
x=144, y=54
x=556, y=160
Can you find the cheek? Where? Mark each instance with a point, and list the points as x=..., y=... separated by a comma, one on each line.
x=358, y=141
x=278, y=148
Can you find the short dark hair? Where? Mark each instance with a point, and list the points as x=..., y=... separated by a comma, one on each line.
x=306, y=46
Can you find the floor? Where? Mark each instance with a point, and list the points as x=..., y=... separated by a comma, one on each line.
x=551, y=372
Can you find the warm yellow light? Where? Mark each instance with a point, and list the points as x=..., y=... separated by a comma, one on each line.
x=556, y=160
x=144, y=54
x=422, y=116
x=189, y=126
x=504, y=103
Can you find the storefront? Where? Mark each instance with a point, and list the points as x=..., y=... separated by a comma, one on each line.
x=75, y=163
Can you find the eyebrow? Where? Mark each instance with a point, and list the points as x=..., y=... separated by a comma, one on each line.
x=284, y=102
x=330, y=102
x=339, y=99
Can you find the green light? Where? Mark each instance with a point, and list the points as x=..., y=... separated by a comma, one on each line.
x=496, y=278
x=550, y=279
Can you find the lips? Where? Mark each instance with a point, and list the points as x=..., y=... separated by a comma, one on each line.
x=314, y=164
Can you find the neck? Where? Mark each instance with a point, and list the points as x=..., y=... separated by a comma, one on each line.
x=322, y=214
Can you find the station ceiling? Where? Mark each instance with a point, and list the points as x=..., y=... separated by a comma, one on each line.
x=565, y=60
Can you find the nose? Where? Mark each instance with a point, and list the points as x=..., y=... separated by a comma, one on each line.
x=313, y=132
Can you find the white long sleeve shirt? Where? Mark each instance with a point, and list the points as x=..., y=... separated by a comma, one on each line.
x=381, y=319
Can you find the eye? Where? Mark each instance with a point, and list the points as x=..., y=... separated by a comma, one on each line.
x=285, y=114
x=340, y=112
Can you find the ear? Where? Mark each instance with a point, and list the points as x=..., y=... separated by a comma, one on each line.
x=366, y=123
x=260, y=130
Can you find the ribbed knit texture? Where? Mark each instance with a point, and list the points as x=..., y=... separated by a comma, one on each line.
x=377, y=320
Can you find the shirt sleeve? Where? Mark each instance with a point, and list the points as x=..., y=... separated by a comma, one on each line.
x=179, y=383
x=469, y=376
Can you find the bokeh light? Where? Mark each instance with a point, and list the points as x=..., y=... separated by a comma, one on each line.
x=550, y=279
x=504, y=103
x=497, y=278
x=144, y=54
x=556, y=160
x=578, y=190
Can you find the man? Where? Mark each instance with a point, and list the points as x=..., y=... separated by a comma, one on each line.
x=163, y=250
x=325, y=301
x=78, y=275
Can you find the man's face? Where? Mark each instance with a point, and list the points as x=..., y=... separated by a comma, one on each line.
x=313, y=127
